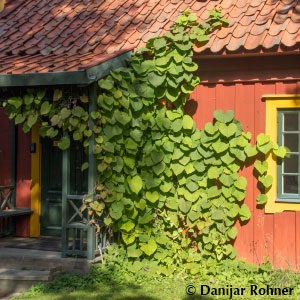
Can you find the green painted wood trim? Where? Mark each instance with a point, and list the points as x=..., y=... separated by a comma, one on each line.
x=293, y=198
x=65, y=192
x=67, y=77
x=75, y=197
x=13, y=161
x=15, y=212
x=5, y=187
x=91, y=234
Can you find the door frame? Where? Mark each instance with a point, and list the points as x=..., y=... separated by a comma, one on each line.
x=35, y=191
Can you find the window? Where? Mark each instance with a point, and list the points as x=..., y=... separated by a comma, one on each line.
x=283, y=126
x=288, y=171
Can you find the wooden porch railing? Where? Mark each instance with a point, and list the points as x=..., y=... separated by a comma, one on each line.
x=6, y=204
x=9, y=211
x=80, y=236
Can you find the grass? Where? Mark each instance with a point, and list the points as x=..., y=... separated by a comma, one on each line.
x=165, y=290
x=120, y=279
x=159, y=289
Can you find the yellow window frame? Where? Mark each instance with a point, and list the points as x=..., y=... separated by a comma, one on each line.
x=273, y=103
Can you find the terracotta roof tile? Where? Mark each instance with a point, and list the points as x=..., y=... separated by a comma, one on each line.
x=251, y=10
x=295, y=16
x=285, y=8
x=218, y=44
x=65, y=33
x=289, y=39
x=260, y=20
x=235, y=43
x=255, y=3
x=246, y=20
x=226, y=4
x=292, y=27
x=224, y=32
x=197, y=6
x=240, y=31
x=267, y=9
x=276, y=28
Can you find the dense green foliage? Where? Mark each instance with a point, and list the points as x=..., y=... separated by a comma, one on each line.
x=118, y=278
x=170, y=191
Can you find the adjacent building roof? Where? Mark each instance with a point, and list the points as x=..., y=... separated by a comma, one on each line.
x=65, y=35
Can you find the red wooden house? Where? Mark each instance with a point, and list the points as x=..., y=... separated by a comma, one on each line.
x=251, y=67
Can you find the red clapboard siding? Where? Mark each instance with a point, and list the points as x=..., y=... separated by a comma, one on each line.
x=23, y=196
x=203, y=96
x=5, y=149
x=244, y=112
x=274, y=235
x=23, y=169
x=298, y=239
x=263, y=234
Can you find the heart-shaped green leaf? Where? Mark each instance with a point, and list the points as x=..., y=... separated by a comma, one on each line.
x=224, y=118
x=152, y=197
x=262, y=139
x=227, y=130
x=210, y=128
x=213, y=172
x=244, y=213
x=128, y=226
x=261, y=166
x=250, y=150
x=149, y=248
x=241, y=183
x=266, y=180
x=232, y=233
x=136, y=184
x=64, y=143
x=156, y=79
x=45, y=108
x=220, y=146
x=280, y=151
x=262, y=199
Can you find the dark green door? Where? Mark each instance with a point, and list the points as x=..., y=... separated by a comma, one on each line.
x=52, y=183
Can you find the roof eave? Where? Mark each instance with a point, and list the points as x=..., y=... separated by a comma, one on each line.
x=86, y=76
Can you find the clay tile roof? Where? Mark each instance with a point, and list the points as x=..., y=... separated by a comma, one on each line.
x=59, y=35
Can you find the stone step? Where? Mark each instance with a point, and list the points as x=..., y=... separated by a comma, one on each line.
x=16, y=280
x=28, y=259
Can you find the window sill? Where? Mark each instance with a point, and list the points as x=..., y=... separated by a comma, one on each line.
x=287, y=200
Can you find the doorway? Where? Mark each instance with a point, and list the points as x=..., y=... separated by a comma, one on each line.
x=51, y=189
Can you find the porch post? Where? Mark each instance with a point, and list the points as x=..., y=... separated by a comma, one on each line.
x=13, y=162
x=65, y=192
x=91, y=246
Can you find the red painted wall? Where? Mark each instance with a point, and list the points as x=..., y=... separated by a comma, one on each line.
x=23, y=197
x=23, y=168
x=274, y=235
x=5, y=157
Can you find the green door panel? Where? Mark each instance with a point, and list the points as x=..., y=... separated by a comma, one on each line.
x=52, y=183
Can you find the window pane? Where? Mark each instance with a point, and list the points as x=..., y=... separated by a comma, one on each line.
x=291, y=141
x=290, y=184
x=290, y=122
x=290, y=164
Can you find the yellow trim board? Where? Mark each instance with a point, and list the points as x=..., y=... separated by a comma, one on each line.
x=277, y=97
x=35, y=184
x=282, y=101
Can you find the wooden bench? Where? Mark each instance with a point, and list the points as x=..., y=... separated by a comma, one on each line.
x=8, y=211
x=19, y=211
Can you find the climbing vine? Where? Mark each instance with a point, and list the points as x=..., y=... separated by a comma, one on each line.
x=171, y=192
